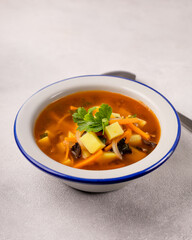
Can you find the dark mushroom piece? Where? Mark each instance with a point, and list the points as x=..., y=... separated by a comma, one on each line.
x=141, y=149
x=103, y=139
x=76, y=150
x=123, y=147
x=149, y=143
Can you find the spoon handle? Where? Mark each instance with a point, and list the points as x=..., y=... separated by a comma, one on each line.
x=185, y=121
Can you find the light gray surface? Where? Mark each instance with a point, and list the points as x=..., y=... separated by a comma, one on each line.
x=45, y=41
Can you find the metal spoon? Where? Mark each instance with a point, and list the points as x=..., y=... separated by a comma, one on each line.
x=185, y=121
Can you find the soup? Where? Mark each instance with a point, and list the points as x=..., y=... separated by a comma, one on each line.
x=97, y=130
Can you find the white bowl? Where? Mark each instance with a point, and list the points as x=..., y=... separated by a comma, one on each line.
x=103, y=180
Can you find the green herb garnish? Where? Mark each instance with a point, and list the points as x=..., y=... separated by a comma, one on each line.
x=43, y=135
x=132, y=116
x=89, y=123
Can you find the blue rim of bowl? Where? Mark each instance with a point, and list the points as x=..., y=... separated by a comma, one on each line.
x=103, y=180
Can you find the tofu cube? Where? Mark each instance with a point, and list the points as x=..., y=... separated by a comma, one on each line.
x=44, y=142
x=85, y=153
x=136, y=155
x=50, y=135
x=115, y=115
x=135, y=140
x=114, y=130
x=141, y=122
x=68, y=162
x=91, y=142
x=71, y=135
x=107, y=157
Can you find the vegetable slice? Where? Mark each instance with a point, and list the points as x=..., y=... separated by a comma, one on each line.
x=115, y=149
x=124, y=121
x=72, y=108
x=108, y=147
x=89, y=160
x=143, y=134
x=78, y=135
x=127, y=135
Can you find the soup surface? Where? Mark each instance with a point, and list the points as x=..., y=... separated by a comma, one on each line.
x=113, y=130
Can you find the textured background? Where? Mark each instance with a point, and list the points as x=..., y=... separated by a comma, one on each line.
x=45, y=41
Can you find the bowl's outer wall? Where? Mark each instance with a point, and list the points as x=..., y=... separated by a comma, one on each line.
x=99, y=184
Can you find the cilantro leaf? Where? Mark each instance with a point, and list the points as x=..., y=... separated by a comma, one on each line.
x=90, y=110
x=103, y=115
x=79, y=114
x=105, y=122
x=105, y=111
x=87, y=122
x=78, y=117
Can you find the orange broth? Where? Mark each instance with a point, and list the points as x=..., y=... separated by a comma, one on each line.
x=56, y=118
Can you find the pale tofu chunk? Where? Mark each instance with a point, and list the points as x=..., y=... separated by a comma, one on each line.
x=135, y=140
x=91, y=142
x=107, y=157
x=48, y=133
x=45, y=142
x=68, y=162
x=71, y=135
x=115, y=115
x=114, y=130
x=141, y=122
x=85, y=153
